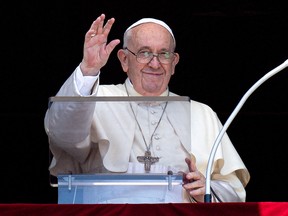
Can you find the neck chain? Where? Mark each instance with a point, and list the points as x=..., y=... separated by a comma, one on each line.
x=147, y=159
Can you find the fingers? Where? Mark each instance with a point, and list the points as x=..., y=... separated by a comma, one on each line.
x=195, y=185
x=191, y=165
x=112, y=45
x=97, y=27
x=108, y=26
x=94, y=27
x=188, y=162
x=197, y=191
x=194, y=181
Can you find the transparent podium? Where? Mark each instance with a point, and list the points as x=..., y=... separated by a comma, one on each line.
x=117, y=187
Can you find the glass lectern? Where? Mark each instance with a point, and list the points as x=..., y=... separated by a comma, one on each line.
x=103, y=187
x=119, y=188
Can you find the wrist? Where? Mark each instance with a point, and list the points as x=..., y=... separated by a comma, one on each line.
x=88, y=71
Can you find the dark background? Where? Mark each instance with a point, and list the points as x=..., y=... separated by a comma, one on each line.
x=225, y=47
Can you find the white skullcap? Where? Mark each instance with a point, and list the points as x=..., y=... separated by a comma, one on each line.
x=152, y=20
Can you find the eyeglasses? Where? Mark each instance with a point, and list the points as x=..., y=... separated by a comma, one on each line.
x=145, y=57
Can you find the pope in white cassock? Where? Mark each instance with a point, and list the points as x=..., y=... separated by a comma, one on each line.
x=105, y=137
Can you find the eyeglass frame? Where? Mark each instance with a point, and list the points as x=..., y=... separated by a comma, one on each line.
x=151, y=56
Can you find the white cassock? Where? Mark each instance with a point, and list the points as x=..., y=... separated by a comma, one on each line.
x=106, y=137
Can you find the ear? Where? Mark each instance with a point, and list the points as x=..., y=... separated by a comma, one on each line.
x=121, y=54
x=175, y=62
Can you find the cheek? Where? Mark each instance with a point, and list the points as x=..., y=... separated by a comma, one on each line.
x=134, y=70
x=133, y=75
x=170, y=70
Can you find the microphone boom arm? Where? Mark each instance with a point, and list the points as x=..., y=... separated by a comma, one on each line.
x=207, y=197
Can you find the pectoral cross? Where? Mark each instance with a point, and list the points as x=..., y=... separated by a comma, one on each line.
x=148, y=160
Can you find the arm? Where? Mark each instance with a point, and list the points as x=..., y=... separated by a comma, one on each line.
x=67, y=124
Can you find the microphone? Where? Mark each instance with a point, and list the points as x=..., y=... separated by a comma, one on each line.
x=207, y=196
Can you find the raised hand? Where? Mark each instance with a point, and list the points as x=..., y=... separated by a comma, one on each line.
x=96, y=51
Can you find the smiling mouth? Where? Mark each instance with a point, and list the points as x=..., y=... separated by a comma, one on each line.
x=152, y=74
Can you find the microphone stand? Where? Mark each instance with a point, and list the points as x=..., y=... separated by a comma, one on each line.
x=207, y=196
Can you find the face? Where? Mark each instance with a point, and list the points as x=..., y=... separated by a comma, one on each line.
x=152, y=78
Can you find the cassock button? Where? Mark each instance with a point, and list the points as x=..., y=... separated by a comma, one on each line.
x=154, y=122
x=156, y=137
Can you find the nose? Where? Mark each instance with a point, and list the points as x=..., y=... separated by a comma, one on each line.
x=154, y=62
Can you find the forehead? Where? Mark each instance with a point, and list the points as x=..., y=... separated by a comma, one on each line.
x=151, y=35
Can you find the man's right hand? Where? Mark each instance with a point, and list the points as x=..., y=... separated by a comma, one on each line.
x=96, y=50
